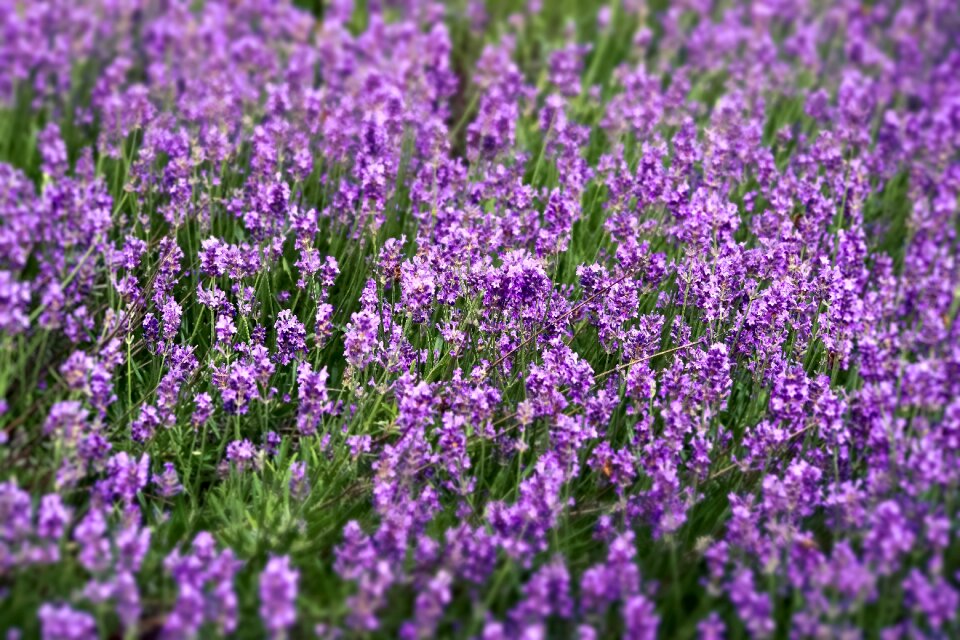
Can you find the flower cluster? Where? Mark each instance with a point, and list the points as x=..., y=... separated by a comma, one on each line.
x=482, y=320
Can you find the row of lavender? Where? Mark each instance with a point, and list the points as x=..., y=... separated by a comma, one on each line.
x=430, y=320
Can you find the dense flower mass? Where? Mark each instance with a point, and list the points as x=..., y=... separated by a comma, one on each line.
x=481, y=320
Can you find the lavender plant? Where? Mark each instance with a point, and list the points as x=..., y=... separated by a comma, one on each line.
x=481, y=320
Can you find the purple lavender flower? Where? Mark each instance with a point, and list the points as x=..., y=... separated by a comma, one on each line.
x=225, y=328
x=168, y=482
x=291, y=337
x=521, y=528
x=126, y=476
x=361, y=339
x=323, y=327
x=299, y=482
x=639, y=619
x=314, y=401
x=429, y=607
x=203, y=408
x=14, y=299
x=204, y=579
x=242, y=454
x=171, y=313
x=278, y=593
x=60, y=622
x=271, y=443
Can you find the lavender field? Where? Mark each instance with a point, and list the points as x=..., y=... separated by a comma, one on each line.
x=490, y=320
